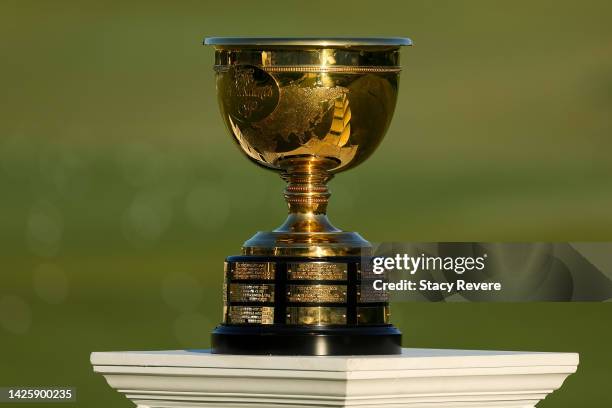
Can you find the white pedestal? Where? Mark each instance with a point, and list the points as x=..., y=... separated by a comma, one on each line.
x=423, y=378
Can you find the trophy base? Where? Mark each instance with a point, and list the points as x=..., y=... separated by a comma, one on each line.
x=316, y=306
x=375, y=340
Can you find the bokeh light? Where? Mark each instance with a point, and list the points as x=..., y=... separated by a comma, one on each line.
x=15, y=314
x=50, y=283
x=192, y=329
x=207, y=206
x=181, y=291
x=44, y=229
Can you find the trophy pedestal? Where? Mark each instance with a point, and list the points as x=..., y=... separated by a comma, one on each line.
x=417, y=378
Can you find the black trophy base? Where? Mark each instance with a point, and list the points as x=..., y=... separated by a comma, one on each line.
x=337, y=341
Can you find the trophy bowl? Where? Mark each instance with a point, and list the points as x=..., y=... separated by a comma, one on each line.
x=281, y=102
x=307, y=108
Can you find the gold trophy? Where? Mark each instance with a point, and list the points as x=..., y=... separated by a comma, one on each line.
x=307, y=108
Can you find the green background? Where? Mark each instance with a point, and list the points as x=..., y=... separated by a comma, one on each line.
x=121, y=193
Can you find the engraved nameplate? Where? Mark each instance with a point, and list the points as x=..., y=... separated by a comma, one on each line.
x=317, y=271
x=365, y=270
x=253, y=270
x=373, y=315
x=317, y=293
x=250, y=292
x=367, y=294
x=317, y=315
x=250, y=315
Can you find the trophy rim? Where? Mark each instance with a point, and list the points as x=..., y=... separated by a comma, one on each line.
x=309, y=41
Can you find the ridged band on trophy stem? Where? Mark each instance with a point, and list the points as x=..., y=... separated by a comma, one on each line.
x=344, y=69
x=307, y=178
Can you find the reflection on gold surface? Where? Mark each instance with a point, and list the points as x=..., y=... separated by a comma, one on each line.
x=318, y=315
x=336, y=115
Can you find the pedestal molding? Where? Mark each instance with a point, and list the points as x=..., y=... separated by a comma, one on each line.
x=418, y=378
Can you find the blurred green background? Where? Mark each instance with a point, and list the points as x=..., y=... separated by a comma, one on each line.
x=121, y=193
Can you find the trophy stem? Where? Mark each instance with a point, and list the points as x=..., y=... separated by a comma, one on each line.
x=307, y=194
x=307, y=231
x=307, y=179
